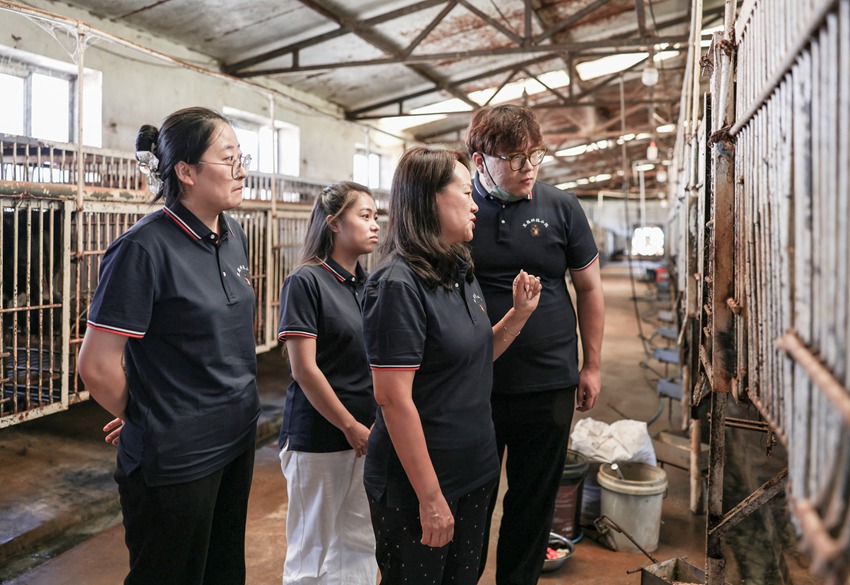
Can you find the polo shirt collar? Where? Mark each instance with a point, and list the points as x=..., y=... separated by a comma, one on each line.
x=194, y=227
x=343, y=275
x=462, y=265
x=464, y=274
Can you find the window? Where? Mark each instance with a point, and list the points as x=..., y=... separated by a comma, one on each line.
x=39, y=98
x=372, y=169
x=367, y=169
x=11, y=114
x=36, y=105
x=648, y=241
x=259, y=138
x=51, y=108
x=289, y=141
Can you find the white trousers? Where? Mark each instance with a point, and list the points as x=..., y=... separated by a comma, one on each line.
x=329, y=536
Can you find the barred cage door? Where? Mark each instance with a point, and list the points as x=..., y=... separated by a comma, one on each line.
x=52, y=251
x=93, y=229
x=255, y=221
x=35, y=236
x=289, y=229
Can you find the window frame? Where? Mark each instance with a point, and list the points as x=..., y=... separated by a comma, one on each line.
x=281, y=131
x=26, y=70
x=383, y=163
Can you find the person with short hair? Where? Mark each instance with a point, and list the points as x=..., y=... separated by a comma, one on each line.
x=525, y=223
x=329, y=404
x=169, y=349
x=431, y=462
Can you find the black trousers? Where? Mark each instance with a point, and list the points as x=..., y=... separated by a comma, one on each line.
x=189, y=533
x=403, y=559
x=534, y=429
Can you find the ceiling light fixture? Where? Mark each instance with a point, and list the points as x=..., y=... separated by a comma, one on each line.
x=650, y=74
x=652, y=151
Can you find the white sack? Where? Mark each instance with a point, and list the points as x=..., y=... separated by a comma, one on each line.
x=625, y=441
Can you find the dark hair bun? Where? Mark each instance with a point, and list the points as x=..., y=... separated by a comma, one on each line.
x=146, y=138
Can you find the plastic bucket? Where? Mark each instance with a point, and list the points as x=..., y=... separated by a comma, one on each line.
x=590, y=495
x=566, y=519
x=634, y=503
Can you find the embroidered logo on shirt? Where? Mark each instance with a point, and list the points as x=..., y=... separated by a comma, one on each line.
x=479, y=300
x=535, y=225
x=245, y=274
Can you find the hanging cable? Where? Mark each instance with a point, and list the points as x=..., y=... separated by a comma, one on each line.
x=629, y=259
x=638, y=319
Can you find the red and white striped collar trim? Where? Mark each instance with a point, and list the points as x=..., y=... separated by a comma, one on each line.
x=341, y=274
x=330, y=269
x=179, y=221
x=185, y=219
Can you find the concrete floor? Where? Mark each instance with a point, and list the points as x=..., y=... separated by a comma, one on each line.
x=68, y=449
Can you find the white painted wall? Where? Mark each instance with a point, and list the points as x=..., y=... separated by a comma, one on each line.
x=140, y=89
x=618, y=219
x=612, y=214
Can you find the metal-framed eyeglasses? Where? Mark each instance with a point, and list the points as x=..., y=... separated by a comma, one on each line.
x=517, y=160
x=240, y=163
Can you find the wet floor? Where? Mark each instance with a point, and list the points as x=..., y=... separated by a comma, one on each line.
x=32, y=452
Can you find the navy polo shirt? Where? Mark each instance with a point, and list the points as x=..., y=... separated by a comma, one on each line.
x=322, y=302
x=183, y=297
x=446, y=337
x=545, y=236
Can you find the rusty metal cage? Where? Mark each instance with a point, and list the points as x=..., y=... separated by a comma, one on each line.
x=763, y=253
x=92, y=230
x=34, y=344
x=52, y=241
x=792, y=128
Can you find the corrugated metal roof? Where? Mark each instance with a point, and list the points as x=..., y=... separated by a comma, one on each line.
x=379, y=58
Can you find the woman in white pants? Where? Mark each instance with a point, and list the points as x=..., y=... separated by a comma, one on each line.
x=330, y=405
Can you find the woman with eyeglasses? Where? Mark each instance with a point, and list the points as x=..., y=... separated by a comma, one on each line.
x=169, y=350
x=330, y=407
x=431, y=462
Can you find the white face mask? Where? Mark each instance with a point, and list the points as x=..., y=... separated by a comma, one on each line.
x=498, y=192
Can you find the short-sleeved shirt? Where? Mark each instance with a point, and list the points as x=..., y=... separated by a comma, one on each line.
x=446, y=338
x=183, y=296
x=323, y=302
x=546, y=235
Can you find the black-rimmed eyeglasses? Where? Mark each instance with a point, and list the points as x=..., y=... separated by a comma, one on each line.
x=517, y=160
x=240, y=163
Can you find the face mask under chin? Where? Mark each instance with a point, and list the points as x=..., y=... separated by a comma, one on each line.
x=500, y=193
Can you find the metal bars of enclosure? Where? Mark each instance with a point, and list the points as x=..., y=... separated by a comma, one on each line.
x=51, y=253
x=34, y=343
x=764, y=256
x=793, y=111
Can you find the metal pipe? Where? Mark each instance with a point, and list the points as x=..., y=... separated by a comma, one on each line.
x=641, y=182
x=696, y=27
x=605, y=521
x=814, y=530
x=81, y=32
x=749, y=505
x=837, y=394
